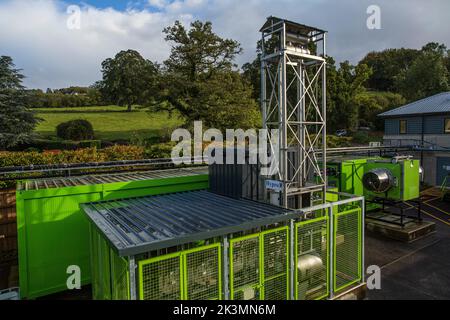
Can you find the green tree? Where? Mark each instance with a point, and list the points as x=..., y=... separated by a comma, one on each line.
x=343, y=85
x=128, y=79
x=386, y=66
x=200, y=82
x=17, y=122
x=372, y=103
x=198, y=52
x=427, y=76
x=251, y=72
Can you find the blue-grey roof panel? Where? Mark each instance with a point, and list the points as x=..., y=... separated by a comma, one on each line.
x=439, y=103
x=138, y=225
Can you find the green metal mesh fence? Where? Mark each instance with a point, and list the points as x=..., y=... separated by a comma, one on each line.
x=245, y=268
x=186, y=275
x=120, y=277
x=203, y=274
x=347, y=248
x=160, y=278
x=275, y=248
x=259, y=266
x=311, y=250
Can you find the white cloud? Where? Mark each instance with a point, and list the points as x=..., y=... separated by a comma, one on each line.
x=158, y=3
x=34, y=32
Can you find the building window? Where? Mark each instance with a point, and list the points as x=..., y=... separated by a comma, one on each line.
x=402, y=126
x=447, y=125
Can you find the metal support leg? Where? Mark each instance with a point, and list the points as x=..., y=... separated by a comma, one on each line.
x=331, y=252
x=402, y=214
x=292, y=259
x=225, y=266
x=363, y=226
x=132, y=266
x=419, y=213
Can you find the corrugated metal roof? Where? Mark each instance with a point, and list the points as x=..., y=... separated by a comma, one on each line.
x=140, y=225
x=52, y=183
x=301, y=27
x=439, y=103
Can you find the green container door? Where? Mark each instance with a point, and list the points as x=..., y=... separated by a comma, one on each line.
x=347, y=249
x=312, y=251
x=245, y=280
x=275, y=249
x=203, y=273
x=161, y=278
x=187, y=275
x=259, y=266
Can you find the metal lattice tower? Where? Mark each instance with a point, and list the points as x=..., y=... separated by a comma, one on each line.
x=293, y=98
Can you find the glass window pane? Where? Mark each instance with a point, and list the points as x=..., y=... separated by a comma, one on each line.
x=402, y=126
x=447, y=125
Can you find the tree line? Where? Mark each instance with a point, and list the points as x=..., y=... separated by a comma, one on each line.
x=201, y=81
x=66, y=98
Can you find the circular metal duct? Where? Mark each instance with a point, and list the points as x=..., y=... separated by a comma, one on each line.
x=378, y=180
x=308, y=265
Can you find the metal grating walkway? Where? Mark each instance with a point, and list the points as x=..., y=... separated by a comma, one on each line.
x=139, y=225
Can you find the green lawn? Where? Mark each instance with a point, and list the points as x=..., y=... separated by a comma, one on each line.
x=110, y=123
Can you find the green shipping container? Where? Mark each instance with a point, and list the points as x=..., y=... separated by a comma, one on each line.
x=53, y=233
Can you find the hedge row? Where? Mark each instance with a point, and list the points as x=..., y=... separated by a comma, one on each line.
x=114, y=153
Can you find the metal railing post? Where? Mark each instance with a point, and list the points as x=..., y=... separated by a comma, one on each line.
x=292, y=259
x=132, y=266
x=331, y=252
x=225, y=266
x=363, y=213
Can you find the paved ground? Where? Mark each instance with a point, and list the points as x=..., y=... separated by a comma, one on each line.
x=419, y=270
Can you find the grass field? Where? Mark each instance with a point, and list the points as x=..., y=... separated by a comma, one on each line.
x=110, y=123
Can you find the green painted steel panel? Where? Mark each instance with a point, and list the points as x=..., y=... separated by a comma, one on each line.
x=351, y=176
x=53, y=233
x=411, y=175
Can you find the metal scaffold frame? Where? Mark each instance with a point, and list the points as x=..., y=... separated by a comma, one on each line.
x=293, y=99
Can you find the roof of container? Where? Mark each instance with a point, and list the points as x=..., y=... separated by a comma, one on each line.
x=439, y=103
x=138, y=225
x=52, y=183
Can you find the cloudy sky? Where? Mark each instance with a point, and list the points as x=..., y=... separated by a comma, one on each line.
x=36, y=33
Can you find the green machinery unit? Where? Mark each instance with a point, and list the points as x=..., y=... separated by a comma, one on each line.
x=53, y=233
x=394, y=179
x=201, y=245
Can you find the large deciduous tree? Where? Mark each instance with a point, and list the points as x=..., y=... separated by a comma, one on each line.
x=128, y=79
x=343, y=85
x=387, y=65
x=428, y=75
x=200, y=81
x=17, y=122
